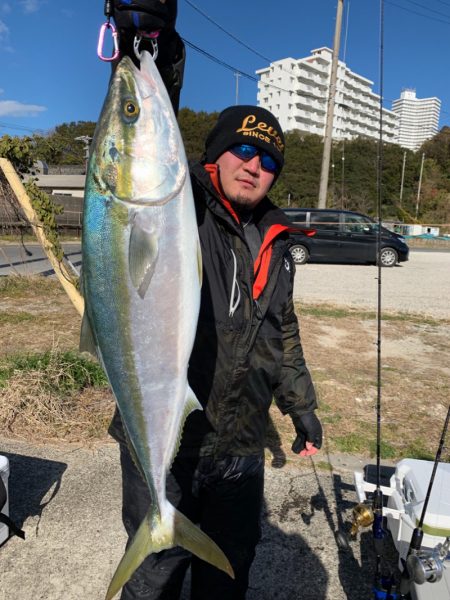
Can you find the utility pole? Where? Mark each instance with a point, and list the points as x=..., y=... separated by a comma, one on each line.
x=403, y=177
x=330, y=110
x=86, y=141
x=420, y=185
x=237, y=75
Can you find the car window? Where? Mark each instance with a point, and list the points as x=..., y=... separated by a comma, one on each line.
x=297, y=217
x=325, y=221
x=357, y=224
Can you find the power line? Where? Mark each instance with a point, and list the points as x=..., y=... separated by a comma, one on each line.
x=235, y=38
x=21, y=127
x=219, y=61
x=416, y=13
x=211, y=20
x=437, y=12
x=243, y=73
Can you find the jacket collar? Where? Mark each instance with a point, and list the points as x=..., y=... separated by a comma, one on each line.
x=265, y=215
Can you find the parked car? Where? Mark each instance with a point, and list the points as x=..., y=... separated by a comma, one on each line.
x=343, y=236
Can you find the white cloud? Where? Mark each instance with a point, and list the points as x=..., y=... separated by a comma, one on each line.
x=30, y=6
x=4, y=31
x=12, y=108
x=5, y=7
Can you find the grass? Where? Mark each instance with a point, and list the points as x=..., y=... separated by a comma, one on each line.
x=48, y=393
x=417, y=449
x=324, y=310
x=54, y=395
x=14, y=318
x=15, y=286
x=61, y=371
x=352, y=443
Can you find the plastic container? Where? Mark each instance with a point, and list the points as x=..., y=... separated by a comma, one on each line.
x=4, y=474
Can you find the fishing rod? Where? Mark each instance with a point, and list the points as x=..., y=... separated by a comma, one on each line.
x=371, y=513
x=384, y=584
x=426, y=566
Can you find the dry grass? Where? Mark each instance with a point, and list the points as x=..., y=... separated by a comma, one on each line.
x=340, y=347
x=54, y=395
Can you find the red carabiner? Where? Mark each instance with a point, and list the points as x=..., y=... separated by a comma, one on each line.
x=101, y=41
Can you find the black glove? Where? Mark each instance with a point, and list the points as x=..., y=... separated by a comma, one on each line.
x=308, y=429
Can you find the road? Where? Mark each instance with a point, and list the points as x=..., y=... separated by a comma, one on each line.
x=68, y=501
x=421, y=285
x=30, y=259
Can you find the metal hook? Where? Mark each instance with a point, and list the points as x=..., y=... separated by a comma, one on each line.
x=136, y=44
x=101, y=41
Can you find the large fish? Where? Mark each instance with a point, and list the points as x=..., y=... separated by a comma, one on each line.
x=141, y=282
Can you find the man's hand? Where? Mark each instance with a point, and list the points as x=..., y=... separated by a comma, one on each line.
x=309, y=434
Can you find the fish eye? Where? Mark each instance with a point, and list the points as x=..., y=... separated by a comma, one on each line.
x=130, y=109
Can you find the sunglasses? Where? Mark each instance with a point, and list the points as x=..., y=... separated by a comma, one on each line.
x=246, y=152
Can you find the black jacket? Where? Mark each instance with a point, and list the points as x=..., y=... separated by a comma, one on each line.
x=241, y=360
x=247, y=349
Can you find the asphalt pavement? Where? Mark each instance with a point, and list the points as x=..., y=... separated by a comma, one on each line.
x=67, y=499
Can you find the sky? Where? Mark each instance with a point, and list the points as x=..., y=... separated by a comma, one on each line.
x=50, y=73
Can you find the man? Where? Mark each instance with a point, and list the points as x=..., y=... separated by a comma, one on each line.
x=247, y=351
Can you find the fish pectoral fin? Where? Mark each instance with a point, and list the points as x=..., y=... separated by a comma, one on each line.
x=174, y=530
x=87, y=339
x=142, y=258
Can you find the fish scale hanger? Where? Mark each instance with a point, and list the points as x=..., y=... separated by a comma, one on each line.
x=141, y=34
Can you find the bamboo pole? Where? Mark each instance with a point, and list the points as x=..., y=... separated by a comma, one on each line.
x=62, y=273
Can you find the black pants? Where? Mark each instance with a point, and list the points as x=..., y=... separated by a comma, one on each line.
x=225, y=498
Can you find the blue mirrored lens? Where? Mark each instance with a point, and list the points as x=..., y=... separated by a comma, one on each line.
x=268, y=163
x=247, y=152
x=244, y=151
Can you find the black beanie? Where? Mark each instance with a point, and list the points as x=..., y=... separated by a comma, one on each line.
x=245, y=125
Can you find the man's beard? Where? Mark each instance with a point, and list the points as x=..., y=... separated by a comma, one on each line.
x=243, y=202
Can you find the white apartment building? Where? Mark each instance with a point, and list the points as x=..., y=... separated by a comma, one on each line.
x=418, y=118
x=296, y=92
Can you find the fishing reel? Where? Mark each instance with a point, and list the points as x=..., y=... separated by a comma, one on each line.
x=428, y=565
x=362, y=516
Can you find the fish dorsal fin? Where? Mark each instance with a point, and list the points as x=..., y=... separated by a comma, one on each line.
x=191, y=403
x=142, y=258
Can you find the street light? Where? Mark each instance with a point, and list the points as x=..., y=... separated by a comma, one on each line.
x=86, y=139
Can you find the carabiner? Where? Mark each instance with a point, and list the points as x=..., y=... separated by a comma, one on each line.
x=101, y=41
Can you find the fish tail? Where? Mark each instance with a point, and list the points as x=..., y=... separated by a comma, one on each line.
x=173, y=530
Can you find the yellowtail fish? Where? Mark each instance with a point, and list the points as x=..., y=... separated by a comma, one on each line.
x=141, y=282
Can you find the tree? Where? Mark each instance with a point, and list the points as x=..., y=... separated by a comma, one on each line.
x=194, y=128
x=19, y=151
x=61, y=147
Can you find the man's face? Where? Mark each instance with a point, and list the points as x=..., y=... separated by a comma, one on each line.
x=244, y=183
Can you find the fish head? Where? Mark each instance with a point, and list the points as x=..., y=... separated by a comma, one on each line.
x=137, y=153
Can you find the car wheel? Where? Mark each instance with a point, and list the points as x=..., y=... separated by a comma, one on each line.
x=388, y=257
x=300, y=254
